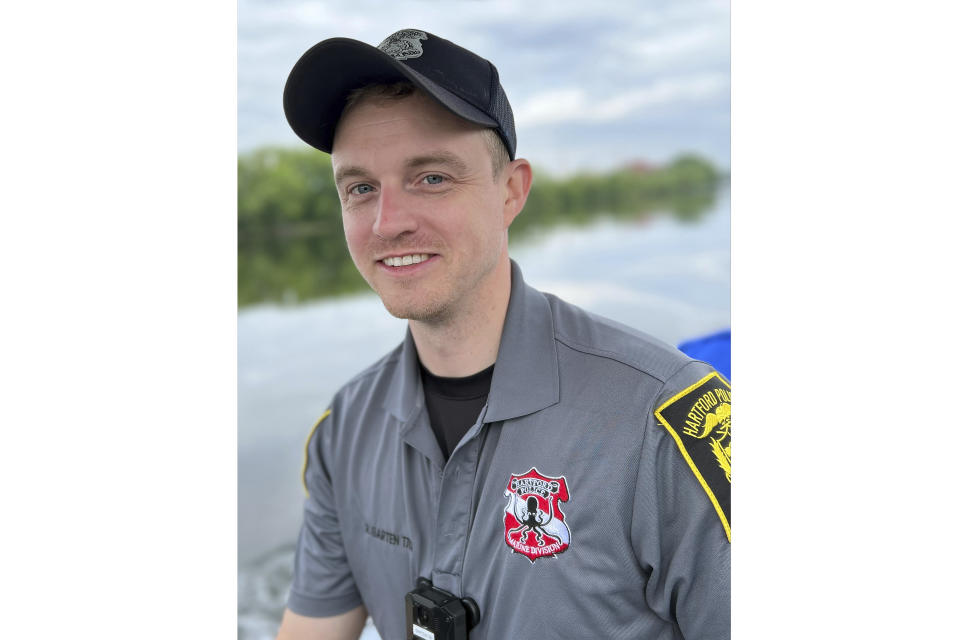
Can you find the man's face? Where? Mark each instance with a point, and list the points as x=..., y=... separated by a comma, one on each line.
x=422, y=212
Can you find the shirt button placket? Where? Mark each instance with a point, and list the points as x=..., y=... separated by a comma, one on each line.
x=453, y=517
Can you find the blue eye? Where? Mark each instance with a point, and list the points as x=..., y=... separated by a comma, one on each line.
x=433, y=179
x=361, y=189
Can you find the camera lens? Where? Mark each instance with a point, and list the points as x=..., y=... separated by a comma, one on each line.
x=423, y=616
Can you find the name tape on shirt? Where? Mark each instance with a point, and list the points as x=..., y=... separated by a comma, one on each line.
x=698, y=418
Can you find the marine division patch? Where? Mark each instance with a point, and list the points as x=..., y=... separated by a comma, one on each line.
x=698, y=418
x=532, y=520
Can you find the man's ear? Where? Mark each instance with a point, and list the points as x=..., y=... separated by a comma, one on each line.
x=519, y=177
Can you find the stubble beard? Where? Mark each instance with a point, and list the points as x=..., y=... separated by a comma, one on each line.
x=427, y=311
x=436, y=308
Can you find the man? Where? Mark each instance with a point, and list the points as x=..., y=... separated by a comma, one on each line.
x=567, y=475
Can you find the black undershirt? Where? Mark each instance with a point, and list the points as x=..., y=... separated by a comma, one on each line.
x=454, y=404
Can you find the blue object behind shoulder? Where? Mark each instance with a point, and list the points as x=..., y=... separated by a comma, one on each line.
x=713, y=349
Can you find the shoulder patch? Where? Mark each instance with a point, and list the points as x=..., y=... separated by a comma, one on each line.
x=306, y=452
x=698, y=418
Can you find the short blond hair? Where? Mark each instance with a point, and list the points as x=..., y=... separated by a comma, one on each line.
x=387, y=92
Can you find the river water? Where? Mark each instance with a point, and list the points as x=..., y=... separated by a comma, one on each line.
x=664, y=276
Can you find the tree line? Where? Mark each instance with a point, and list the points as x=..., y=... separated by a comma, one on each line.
x=291, y=243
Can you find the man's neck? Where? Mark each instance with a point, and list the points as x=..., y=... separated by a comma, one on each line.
x=469, y=341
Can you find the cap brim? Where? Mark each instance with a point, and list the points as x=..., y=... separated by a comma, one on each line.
x=318, y=86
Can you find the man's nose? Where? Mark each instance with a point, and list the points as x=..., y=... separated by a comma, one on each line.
x=395, y=214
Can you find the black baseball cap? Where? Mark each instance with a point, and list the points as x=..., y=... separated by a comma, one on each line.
x=460, y=80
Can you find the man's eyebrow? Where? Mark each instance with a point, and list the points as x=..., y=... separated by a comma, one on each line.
x=438, y=158
x=342, y=173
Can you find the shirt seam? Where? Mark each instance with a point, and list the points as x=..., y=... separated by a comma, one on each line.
x=304, y=594
x=651, y=417
x=612, y=355
x=354, y=595
x=643, y=443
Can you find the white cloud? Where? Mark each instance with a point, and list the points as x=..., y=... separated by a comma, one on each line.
x=601, y=62
x=696, y=43
x=572, y=104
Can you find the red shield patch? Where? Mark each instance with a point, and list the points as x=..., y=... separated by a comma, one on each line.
x=533, y=523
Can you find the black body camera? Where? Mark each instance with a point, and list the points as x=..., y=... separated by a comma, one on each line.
x=435, y=614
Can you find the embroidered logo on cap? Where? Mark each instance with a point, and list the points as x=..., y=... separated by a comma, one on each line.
x=404, y=44
x=533, y=523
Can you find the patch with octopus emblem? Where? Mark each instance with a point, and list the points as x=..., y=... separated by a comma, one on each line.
x=534, y=525
x=698, y=418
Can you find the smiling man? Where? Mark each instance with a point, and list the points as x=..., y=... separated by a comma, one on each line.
x=517, y=467
x=425, y=213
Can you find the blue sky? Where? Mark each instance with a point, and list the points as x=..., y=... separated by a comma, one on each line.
x=593, y=83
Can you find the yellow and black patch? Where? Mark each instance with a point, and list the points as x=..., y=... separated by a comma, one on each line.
x=698, y=418
x=306, y=452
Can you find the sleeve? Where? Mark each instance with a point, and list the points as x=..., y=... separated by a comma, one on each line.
x=323, y=584
x=681, y=510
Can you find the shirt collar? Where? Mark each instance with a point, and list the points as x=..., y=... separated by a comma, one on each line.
x=526, y=376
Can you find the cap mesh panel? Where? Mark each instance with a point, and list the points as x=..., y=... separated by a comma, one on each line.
x=501, y=112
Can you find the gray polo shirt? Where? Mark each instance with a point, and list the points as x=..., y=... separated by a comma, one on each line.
x=578, y=505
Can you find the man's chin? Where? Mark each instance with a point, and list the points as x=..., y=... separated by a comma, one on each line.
x=427, y=312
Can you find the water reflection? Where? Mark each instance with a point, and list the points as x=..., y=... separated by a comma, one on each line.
x=312, y=264
x=291, y=245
